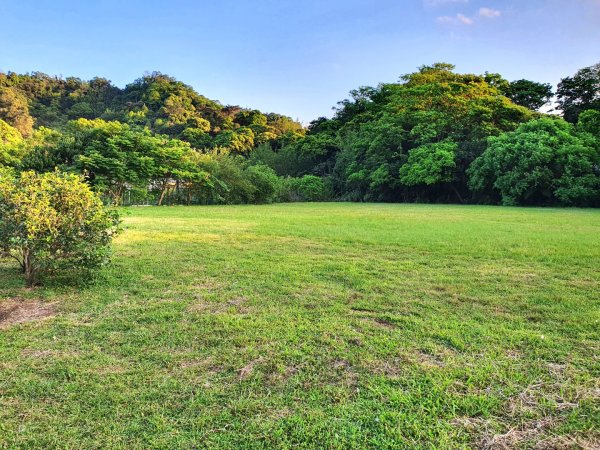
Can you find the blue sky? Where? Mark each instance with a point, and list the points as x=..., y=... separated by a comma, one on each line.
x=296, y=57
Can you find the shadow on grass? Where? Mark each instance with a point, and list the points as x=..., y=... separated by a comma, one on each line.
x=10, y=277
x=12, y=281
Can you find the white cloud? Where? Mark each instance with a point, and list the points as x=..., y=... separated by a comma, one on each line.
x=464, y=19
x=489, y=13
x=459, y=19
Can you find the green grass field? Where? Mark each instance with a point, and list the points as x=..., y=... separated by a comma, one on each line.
x=316, y=326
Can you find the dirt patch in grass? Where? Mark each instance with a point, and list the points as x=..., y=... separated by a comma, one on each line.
x=14, y=311
x=207, y=365
x=392, y=368
x=539, y=399
x=529, y=401
x=528, y=433
x=570, y=443
x=378, y=322
x=345, y=374
x=428, y=360
x=205, y=306
x=534, y=434
x=247, y=370
x=281, y=376
x=36, y=353
x=279, y=414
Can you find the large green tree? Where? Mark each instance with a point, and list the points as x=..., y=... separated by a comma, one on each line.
x=378, y=128
x=529, y=94
x=430, y=164
x=579, y=93
x=543, y=162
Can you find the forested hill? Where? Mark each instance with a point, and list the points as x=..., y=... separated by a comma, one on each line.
x=156, y=101
x=433, y=136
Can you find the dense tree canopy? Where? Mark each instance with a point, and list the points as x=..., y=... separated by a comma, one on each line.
x=579, y=93
x=529, y=94
x=10, y=142
x=380, y=130
x=434, y=135
x=156, y=101
x=14, y=110
x=543, y=162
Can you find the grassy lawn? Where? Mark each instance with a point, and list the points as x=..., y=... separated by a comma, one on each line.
x=316, y=326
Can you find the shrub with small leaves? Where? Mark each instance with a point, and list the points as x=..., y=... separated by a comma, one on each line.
x=53, y=222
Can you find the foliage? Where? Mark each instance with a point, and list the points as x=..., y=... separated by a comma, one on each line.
x=589, y=121
x=265, y=182
x=14, y=110
x=542, y=162
x=156, y=101
x=310, y=188
x=529, y=94
x=579, y=92
x=430, y=164
x=240, y=140
x=52, y=222
x=10, y=141
x=377, y=130
x=159, y=141
x=231, y=181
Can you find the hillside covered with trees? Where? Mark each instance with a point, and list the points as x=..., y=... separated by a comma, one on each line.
x=433, y=136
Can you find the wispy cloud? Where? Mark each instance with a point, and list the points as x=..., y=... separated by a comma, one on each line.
x=459, y=19
x=489, y=13
x=464, y=19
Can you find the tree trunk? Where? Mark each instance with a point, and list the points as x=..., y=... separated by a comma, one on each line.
x=162, y=194
x=460, y=199
x=29, y=269
x=117, y=195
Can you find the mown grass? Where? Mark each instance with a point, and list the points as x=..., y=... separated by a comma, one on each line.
x=317, y=326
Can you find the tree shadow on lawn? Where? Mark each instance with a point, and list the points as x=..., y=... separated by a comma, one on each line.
x=11, y=277
x=12, y=281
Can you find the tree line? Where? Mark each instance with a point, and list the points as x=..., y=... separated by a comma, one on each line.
x=433, y=136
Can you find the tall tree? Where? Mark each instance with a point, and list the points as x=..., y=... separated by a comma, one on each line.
x=579, y=93
x=543, y=162
x=14, y=110
x=529, y=94
x=10, y=141
x=379, y=128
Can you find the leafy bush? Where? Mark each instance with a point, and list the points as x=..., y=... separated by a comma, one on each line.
x=265, y=181
x=543, y=162
x=310, y=188
x=53, y=221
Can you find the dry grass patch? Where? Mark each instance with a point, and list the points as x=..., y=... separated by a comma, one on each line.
x=248, y=369
x=390, y=368
x=237, y=304
x=14, y=311
x=529, y=433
